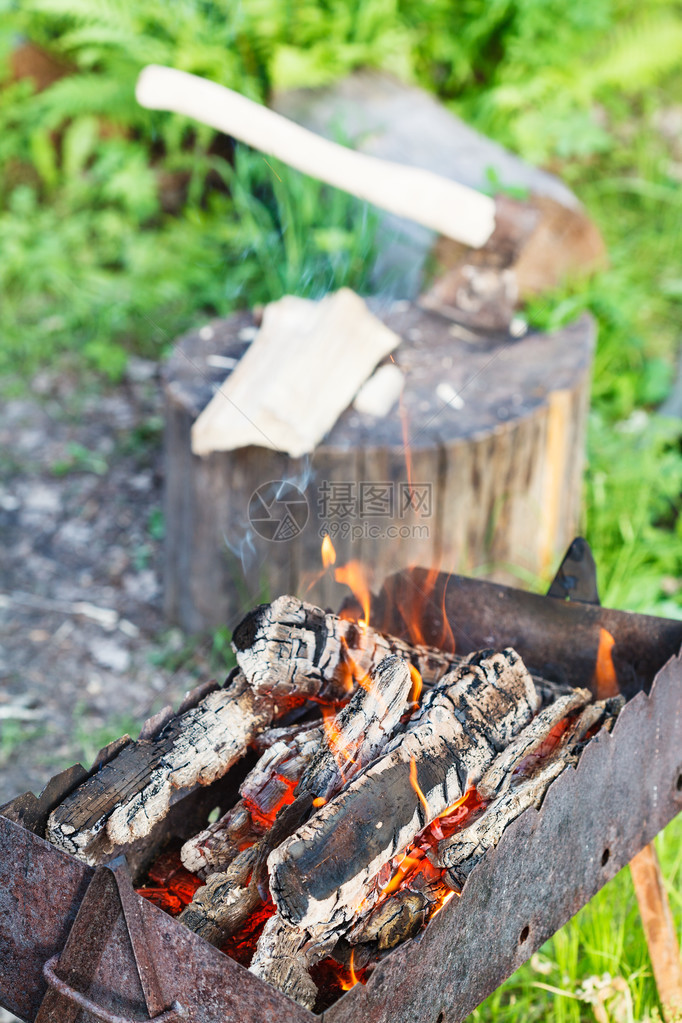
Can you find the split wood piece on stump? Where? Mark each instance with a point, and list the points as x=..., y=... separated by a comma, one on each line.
x=322, y=874
x=225, y=902
x=498, y=429
x=135, y=790
x=331, y=347
x=462, y=851
x=284, y=956
x=498, y=777
x=291, y=648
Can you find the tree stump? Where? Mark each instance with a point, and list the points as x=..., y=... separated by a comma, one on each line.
x=489, y=481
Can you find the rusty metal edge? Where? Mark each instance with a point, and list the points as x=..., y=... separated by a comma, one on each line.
x=546, y=867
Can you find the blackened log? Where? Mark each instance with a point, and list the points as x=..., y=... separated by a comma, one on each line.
x=214, y=848
x=135, y=790
x=358, y=733
x=360, y=730
x=499, y=775
x=292, y=648
x=397, y=918
x=322, y=874
x=284, y=956
x=318, y=760
x=225, y=902
x=462, y=851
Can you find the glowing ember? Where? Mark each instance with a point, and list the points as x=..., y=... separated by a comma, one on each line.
x=605, y=678
x=354, y=575
x=169, y=885
x=266, y=819
x=328, y=552
x=332, y=979
x=242, y=945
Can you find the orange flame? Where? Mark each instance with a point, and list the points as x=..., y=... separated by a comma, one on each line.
x=354, y=575
x=328, y=552
x=417, y=684
x=605, y=678
x=416, y=603
x=415, y=785
x=351, y=966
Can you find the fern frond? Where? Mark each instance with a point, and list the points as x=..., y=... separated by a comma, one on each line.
x=81, y=94
x=641, y=53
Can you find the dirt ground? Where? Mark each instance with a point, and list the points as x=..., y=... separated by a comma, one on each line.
x=85, y=654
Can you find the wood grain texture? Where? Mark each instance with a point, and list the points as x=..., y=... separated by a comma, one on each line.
x=659, y=929
x=289, y=404
x=135, y=790
x=482, y=428
x=462, y=724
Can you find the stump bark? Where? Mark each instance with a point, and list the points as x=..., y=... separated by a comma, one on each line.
x=496, y=433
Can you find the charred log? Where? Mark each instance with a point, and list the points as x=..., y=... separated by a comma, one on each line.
x=460, y=728
x=290, y=647
x=499, y=775
x=396, y=919
x=225, y=902
x=135, y=790
x=314, y=761
x=284, y=956
x=361, y=730
x=461, y=852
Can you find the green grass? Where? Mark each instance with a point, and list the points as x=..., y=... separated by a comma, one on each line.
x=600, y=957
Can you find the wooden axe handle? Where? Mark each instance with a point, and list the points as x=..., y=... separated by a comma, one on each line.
x=444, y=206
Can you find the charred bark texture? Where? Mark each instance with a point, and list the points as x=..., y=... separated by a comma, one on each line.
x=292, y=648
x=319, y=760
x=135, y=790
x=461, y=852
x=225, y=902
x=498, y=777
x=323, y=873
x=284, y=957
x=360, y=731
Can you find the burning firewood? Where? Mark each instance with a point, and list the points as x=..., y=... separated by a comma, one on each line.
x=292, y=648
x=316, y=762
x=307, y=758
x=462, y=725
x=361, y=730
x=284, y=957
x=462, y=851
x=498, y=777
x=226, y=901
x=135, y=790
x=398, y=917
